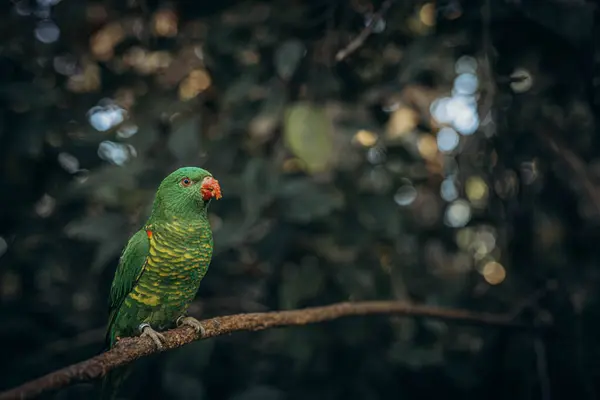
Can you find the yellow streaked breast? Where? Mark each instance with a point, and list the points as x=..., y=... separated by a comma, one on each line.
x=147, y=299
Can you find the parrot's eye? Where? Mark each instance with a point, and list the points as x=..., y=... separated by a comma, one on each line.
x=185, y=182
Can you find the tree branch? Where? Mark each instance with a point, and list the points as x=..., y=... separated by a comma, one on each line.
x=129, y=349
x=365, y=33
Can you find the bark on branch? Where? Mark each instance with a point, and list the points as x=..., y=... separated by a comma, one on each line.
x=130, y=349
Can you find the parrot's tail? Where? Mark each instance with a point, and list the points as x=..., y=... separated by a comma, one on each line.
x=112, y=381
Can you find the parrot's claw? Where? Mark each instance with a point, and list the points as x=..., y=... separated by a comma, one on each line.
x=193, y=322
x=157, y=337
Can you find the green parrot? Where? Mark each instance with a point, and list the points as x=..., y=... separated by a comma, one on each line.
x=161, y=267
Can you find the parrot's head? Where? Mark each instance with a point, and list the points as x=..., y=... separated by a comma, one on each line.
x=186, y=193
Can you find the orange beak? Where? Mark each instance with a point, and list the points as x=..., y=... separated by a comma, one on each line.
x=210, y=188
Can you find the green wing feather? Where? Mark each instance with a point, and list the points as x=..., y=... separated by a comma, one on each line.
x=130, y=268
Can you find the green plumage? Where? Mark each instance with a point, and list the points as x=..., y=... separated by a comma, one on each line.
x=161, y=267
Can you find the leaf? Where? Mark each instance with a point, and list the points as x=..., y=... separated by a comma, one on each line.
x=95, y=228
x=258, y=184
x=109, y=230
x=184, y=141
x=304, y=200
x=308, y=135
x=380, y=214
x=104, y=184
x=287, y=57
x=358, y=283
x=237, y=92
x=263, y=125
x=300, y=283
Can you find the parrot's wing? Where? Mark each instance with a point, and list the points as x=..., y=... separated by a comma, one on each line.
x=130, y=268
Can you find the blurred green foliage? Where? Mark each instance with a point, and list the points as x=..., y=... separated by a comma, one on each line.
x=337, y=185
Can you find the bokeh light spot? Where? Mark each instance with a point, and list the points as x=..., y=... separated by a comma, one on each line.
x=427, y=14
x=114, y=153
x=65, y=65
x=493, y=273
x=476, y=189
x=466, y=65
x=522, y=80
x=46, y=31
x=365, y=138
x=405, y=195
x=22, y=8
x=463, y=111
x=447, y=139
x=126, y=131
x=448, y=190
x=402, y=122
x=376, y=155
x=439, y=110
x=458, y=214
x=466, y=84
x=45, y=206
x=378, y=25
x=427, y=147
x=69, y=162
x=103, y=118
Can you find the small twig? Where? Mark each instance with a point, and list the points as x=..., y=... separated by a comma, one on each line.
x=130, y=349
x=487, y=71
x=366, y=32
x=576, y=166
x=534, y=298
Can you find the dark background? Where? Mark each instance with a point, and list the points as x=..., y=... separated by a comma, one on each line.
x=334, y=189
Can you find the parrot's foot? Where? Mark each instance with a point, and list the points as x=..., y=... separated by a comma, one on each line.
x=193, y=322
x=157, y=337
